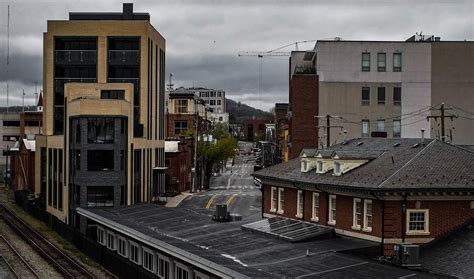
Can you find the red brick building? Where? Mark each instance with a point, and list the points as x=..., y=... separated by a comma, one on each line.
x=382, y=190
x=251, y=128
x=303, y=103
x=281, y=131
x=178, y=160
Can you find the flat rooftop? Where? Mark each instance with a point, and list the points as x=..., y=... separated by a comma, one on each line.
x=227, y=247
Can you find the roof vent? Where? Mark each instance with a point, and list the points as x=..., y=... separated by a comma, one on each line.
x=415, y=145
x=359, y=143
x=397, y=144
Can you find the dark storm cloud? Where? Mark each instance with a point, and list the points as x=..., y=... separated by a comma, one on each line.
x=204, y=37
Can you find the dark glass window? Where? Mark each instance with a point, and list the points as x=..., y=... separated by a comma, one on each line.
x=397, y=62
x=381, y=95
x=365, y=62
x=100, y=130
x=112, y=94
x=100, y=160
x=397, y=96
x=180, y=126
x=365, y=96
x=11, y=123
x=381, y=62
x=100, y=196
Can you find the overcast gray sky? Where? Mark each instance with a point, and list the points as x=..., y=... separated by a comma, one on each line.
x=204, y=37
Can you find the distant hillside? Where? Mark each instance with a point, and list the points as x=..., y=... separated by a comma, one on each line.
x=238, y=112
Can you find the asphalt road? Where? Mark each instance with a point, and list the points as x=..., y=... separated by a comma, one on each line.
x=235, y=187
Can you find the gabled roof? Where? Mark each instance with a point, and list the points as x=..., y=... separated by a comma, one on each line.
x=308, y=152
x=399, y=164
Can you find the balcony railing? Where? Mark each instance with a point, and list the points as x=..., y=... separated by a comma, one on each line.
x=124, y=57
x=59, y=86
x=76, y=57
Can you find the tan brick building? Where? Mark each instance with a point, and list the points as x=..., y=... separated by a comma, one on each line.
x=103, y=134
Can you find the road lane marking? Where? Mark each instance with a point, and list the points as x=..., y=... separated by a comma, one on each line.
x=209, y=203
x=230, y=199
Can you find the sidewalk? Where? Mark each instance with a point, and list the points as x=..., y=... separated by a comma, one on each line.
x=176, y=200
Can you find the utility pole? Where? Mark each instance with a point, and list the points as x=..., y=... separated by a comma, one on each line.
x=23, y=101
x=196, y=120
x=328, y=126
x=8, y=52
x=442, y=116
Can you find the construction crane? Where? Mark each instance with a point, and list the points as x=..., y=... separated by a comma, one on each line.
x=273, y=52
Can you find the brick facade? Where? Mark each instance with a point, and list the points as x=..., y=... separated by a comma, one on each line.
x=178, y=174
x=444, y=216
x=172, y=118
x=304, y=102
x=252, y=127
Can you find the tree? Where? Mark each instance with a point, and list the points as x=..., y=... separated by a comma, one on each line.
x=220, y=131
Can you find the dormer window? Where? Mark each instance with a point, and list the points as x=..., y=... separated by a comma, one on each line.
x=320, y=166
x=337, y=168
x=304, y=165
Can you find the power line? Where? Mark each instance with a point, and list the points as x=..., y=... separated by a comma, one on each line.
x=442, y=116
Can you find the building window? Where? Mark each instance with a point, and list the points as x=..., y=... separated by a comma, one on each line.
x=365, y=62
x=122, y=248
x=397, y=96
x=315, y=215
x=163, y=267
x=219, y=94
x=111, y=240
x=181, y=272
x=101, y=236
x=212, y=102
x=381, y=125
x=365, y=128
x=397, y=62
x=396, y=128
x=300, y=205
x=100, y=160
x=135, y=253
x=213, y=94
x=281, y=200
x=181, y=106
x=148, y=259
x=180, y=127
x=320, y=166
x=367, y=216
x=218, y=102
x=381, y=57
x=100, y=196
x=357, y=214
x=365, y=96
x=418, y=221
x=100, y=130
x=274, y=199
x=304, y=165
x=332, y=210
x=381, y=95
x=112, y=94
x=337, y=168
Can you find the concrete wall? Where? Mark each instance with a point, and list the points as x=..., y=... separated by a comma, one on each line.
x=339, y=67
x=453, y=83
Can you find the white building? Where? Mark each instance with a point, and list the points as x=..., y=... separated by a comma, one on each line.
x=392, y=86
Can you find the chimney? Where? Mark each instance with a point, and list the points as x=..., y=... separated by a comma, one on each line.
x=345, y=135
x=422, y=135
x=127, y=11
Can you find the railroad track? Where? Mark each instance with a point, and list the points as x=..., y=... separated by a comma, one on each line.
x=17, y=264
x=62, y=263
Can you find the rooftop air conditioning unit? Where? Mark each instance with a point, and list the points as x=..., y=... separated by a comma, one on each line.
x=221, y=213
x=407, y=255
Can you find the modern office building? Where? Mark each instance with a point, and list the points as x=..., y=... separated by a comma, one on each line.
x=214, y=98
x=389, y=88
x=103, y=133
